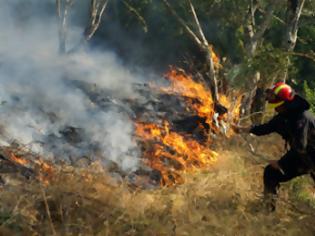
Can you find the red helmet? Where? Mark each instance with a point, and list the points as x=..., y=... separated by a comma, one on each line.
x=282, y=91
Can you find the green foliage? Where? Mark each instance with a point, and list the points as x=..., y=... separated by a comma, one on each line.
x=269, y=61
x=150, y=36
x=310, y=95
x=301, y=189
x=147, y=23
x=306, y=67
x=4, y=217
x=8, y=220
x=146, y=34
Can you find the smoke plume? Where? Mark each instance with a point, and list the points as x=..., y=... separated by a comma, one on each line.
x=61, y=106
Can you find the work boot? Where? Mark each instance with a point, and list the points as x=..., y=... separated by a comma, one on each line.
x=269, y=202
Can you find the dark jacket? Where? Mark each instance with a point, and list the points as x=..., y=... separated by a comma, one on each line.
x=296, y=126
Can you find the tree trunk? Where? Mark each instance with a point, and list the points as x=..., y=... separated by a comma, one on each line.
x=257, y=107
x=62, y=9
x=97, y=8
x=254, y=101
x=212, y=76
x=249, y=104
x=294, y=10
x=61, y=28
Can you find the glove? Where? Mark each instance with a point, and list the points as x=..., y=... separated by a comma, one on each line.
x=240, y=129
x=275, y=164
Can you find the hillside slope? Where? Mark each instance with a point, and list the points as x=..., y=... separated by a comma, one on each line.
x=224, y=200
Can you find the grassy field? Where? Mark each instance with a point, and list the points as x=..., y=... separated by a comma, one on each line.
x=223, y=200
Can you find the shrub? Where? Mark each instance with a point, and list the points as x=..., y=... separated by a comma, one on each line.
x=310, y=95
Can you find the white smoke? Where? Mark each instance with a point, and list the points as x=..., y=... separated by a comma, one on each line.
x=43, y=93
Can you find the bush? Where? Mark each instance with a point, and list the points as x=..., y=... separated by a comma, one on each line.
x=310, y=95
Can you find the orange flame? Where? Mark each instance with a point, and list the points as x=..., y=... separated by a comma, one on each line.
x=215, y=58
x=170, y=152
x=233, y=104
x=198, y=97
x=18, y=160
x=45, y=170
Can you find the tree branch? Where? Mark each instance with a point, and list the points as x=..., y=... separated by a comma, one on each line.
x=182, y=23
x=310, y=56
x=62, y=14
x=58, y=8
x=294, y=10
x=137, y=14
x=202, y=43
x=250, y=25
x=200, y=31
x=96, y=12
x=266, y=23
x=251, y=16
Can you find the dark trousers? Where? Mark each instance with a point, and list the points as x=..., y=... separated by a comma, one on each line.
x=292, y=165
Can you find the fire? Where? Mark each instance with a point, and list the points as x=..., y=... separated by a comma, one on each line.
x=18, y=160
x=215, y=58
x=198, y=97
x=165, y=150
x=234, y=108
x=43, y=169
x=170, y=152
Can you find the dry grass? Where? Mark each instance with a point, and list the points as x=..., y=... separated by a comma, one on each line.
x=222, y=201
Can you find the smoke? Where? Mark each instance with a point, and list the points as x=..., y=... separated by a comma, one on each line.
x=62, y=106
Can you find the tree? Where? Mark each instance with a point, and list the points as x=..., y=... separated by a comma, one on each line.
x=97, y=8
x=62, y=9
x=293, y=13
x=255, y=25
x=199, y=38
x=254, y=101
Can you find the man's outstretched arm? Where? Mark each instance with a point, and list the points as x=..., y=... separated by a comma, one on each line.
x=259, y=130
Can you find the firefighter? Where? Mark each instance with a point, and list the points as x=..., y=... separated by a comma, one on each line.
x=296, y=125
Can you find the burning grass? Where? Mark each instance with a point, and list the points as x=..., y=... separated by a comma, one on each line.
x=198, y=97
x=206, y=194
x=170, y=152
x=223, y=200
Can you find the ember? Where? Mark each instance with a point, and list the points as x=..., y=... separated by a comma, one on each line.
x=18, y=160
x=25, y=161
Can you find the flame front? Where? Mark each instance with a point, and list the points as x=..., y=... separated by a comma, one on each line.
x=170, y=152
x=18, y=160
x=198, y=97
x=43, y=169
x=164, y=149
